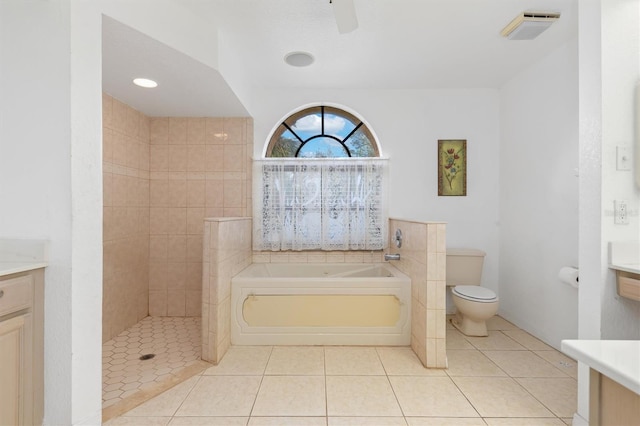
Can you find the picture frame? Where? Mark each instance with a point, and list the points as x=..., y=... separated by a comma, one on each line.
x=452, y=167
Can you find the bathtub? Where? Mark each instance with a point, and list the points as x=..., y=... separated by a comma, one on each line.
x=320, y=304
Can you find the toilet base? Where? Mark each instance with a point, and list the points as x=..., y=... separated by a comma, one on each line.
x=469, y=327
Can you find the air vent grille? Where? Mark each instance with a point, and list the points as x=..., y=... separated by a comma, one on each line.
x=529, y=25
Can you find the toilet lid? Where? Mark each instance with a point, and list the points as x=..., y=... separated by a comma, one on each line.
x=475, y=292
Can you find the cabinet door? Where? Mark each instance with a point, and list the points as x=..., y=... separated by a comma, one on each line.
x=12, y=341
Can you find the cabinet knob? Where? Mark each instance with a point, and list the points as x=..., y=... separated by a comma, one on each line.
x=1, y=293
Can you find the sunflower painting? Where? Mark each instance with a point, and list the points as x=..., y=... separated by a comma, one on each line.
x=452, y=167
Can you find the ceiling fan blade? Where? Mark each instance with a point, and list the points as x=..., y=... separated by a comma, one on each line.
x=345, y=14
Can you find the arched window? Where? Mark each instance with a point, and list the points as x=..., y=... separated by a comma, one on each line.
x=322, y=132
x=321, y=185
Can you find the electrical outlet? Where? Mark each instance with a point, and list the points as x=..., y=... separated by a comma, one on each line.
x=621, y=215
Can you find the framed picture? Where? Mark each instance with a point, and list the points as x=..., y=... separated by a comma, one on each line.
x=452, y=167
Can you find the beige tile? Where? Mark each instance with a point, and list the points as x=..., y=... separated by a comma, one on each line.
x=456, y=340
x=159, y=158
x=214, y=158
x=159, y=130
x=499, y=323
x=296, y=360
x=138, y=421
x=232, y=193
x=523, y=364
x=342, y=361
x=527, y=340
x=167, y=403
x=290, y=396
x=221, y=396
x=360, y=396
x=177, y=130
x=195, y=193
x=233, y=158
x=196, y=158
x=402, y=361
x=560, y=361
x=177, y=158
x=366, y=421
x=209, y=421
x=495, y=341
x=431, y=396
x=466, y=363
x=500, y=397
x=287, y=421
x=242, y=361
x=552, y=421
x=445, y=421
x=558, y=395
x=196, y=130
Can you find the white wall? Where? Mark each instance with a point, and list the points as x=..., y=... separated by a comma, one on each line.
x=51, y=173
x=35, y=167
x=620, y=74
x=539, y=196
x=408, y=124
x=608, y=67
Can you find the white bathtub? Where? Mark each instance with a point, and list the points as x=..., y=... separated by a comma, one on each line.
x=321, y=304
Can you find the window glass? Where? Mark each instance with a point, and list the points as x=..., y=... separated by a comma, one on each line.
x=323, y=147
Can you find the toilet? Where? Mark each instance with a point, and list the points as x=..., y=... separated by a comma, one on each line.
x=474, y=304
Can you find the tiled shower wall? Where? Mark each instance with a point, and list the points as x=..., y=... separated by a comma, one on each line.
x=161, y=178
x=125, y=216
x=199, y=167
x=423, y=258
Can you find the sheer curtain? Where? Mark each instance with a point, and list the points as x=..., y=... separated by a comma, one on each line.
x=320, y=204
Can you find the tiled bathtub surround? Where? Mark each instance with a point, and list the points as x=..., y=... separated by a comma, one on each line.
x=199, y=167
x=125, y=216
x=423, y=257
x=227, y=251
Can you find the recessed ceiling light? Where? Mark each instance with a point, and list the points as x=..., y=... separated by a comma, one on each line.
x=145, y=82
x=298, y=59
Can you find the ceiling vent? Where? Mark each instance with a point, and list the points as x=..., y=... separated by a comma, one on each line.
x=529, y=25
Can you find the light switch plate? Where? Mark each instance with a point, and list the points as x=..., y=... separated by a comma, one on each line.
x=623, y=158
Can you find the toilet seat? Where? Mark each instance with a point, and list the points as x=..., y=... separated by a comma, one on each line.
x=475, y=293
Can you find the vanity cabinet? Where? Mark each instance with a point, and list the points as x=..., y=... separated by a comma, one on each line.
x=21, y=348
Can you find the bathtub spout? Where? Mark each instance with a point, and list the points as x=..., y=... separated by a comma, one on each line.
x=388, y=257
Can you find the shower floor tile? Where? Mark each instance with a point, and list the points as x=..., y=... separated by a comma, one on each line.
x=174, y=343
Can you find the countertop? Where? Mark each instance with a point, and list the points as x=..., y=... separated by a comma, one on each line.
x=7, y=268
x=617, y=359
x=629, y=267
x=22, y=255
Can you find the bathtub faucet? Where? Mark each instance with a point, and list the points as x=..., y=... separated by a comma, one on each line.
x=388, y=257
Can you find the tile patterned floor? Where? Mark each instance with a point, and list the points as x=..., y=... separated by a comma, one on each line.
x=508, y=378
x=175, y=343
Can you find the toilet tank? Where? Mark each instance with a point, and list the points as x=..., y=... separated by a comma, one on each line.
x=464, y=266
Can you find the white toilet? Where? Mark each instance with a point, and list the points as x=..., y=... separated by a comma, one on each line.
x=474, y=304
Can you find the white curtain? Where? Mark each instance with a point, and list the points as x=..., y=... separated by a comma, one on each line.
x=326, y=204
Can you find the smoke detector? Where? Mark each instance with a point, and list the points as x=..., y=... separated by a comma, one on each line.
x=529, y=25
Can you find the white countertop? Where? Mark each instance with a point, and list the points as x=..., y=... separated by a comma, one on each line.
x=629, y=267
x=617, y=359
x=7, y=268
x=22, y=255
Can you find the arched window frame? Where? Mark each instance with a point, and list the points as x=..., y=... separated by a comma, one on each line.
x=289, y=122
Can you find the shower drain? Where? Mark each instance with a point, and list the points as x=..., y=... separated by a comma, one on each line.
x=146, y=357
